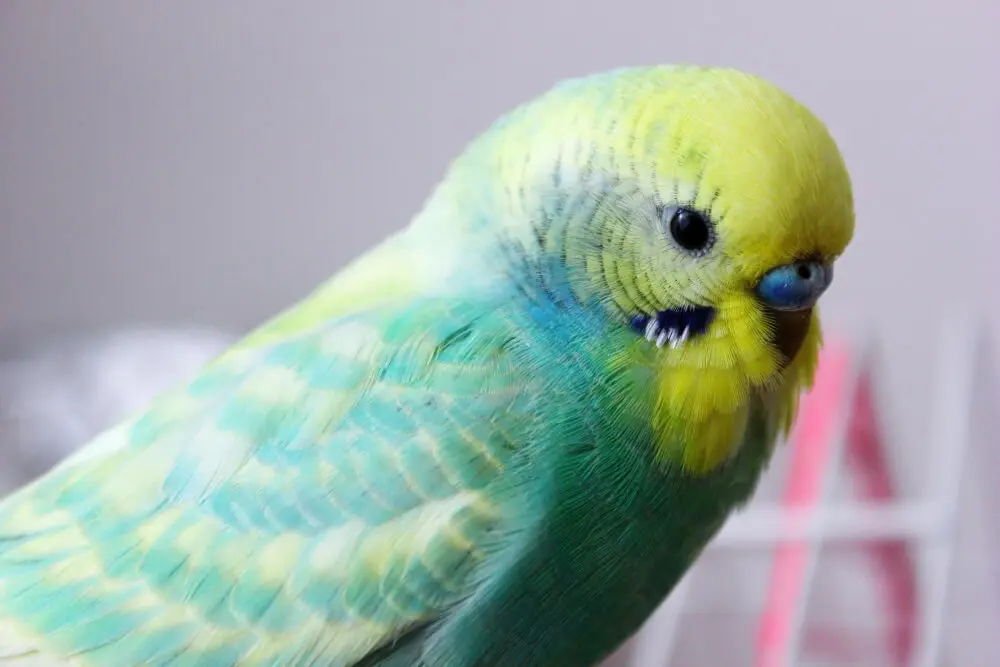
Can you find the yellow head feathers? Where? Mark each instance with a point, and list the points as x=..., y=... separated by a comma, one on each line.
x=608, y=154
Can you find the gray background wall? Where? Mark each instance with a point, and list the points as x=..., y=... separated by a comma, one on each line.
x=211, y=162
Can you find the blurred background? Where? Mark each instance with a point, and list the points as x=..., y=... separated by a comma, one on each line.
x=172, y=174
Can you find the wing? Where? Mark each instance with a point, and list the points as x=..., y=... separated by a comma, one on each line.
x=303, y=501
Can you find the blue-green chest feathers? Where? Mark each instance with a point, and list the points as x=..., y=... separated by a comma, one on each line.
x=461, y=481
x=601, y=531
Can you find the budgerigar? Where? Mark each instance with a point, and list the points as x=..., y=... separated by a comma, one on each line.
x=499, y=438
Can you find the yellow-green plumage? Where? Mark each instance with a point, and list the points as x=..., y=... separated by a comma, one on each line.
x=477, y=444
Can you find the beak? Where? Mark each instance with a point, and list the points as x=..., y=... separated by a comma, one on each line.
x=796, y=286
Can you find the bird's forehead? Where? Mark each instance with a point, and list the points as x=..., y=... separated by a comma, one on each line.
x=725, y=142
x=740, y=129
x=768, y=174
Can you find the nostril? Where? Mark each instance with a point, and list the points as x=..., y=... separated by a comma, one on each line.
x=794, y=286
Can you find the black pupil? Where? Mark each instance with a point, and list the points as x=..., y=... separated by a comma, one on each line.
x=690, y=229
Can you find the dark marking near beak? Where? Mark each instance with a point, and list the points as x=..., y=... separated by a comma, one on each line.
x=790, y=330
x=673, y=326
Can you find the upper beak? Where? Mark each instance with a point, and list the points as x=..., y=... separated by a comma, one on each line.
x=795, y=286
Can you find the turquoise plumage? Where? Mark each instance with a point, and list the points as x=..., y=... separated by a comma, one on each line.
x=494, y=460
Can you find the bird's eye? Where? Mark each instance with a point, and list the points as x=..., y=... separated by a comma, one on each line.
x=689, y=229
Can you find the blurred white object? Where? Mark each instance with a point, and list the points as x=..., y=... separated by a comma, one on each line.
x=58, y=392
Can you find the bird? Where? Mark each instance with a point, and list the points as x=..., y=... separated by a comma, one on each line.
x=498, y=437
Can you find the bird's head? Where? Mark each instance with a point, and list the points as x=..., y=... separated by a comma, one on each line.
x=704, y=206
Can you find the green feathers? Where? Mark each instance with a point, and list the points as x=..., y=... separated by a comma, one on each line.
x=315, y=497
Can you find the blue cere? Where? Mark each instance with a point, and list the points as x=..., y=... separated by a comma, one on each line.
x=795, y=286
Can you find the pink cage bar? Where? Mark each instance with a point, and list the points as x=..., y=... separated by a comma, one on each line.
x=838, y=425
